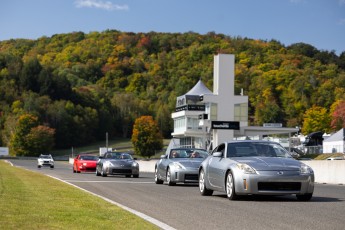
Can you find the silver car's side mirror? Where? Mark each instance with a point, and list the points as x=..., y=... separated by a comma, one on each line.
x=163, y=156
x=217, y=154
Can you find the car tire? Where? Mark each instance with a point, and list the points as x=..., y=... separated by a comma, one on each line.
x=39, y=166
x=73, y=170
x=52, y=166
x=170, y=183
x=136, y=176
x=230, y=186
x=305, y=197
x=128, y=176
x=157, y=180
x=103, y=173
x=97, y=173
x=202, y=186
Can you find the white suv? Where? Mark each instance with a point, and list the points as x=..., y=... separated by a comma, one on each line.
x=45, y=160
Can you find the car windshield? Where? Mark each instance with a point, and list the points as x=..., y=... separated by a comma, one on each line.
x=46, y=156
x=188, y=153
x=88, y=158
x=261, y=149
x=121, y=156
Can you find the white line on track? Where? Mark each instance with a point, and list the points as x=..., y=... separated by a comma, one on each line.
x=141, y=215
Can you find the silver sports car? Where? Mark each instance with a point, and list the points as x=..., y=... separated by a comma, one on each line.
x=117, y=163
x=180, y=165
x=255, y=167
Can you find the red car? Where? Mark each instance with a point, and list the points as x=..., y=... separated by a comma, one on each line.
x=85, y=163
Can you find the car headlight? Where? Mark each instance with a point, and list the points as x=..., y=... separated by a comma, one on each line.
x=84, y=164
x=109, y=164
x=305, y=169
x=178, y=165
x=135, y=164
x=246, y=169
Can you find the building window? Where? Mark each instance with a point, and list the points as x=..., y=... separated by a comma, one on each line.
x=179, y=123
x=192, y=123
x=241, y=112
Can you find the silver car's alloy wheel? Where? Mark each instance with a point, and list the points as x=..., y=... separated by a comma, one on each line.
x=230, y=187
x=103, y=173
x=97, y=172
x=202, y=187
x=170, y=183
x=157, y=180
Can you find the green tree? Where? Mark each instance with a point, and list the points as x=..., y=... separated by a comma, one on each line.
x=40, y=140
x=18, y=143
x=316, y=119
x=146, y=137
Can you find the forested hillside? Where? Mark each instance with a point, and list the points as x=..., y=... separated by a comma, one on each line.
x=84, y=85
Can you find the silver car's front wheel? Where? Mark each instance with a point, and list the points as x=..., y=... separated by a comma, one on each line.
x=202, y=187
x=230, y=187
x=103, y=173
x=170, y=183
x=157, y=180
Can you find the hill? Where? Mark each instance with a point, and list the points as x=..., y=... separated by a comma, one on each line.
x=84, y=85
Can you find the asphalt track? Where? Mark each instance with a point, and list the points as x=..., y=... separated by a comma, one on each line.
x=182, y=207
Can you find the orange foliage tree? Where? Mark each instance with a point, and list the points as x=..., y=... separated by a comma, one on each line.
x=146, y=137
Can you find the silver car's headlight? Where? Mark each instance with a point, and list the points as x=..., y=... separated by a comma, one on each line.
x=246, y=169
x=178, y=165
x=135, y=164
x=109, y=164
x=305, y=169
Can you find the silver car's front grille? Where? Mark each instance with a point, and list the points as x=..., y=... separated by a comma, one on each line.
x=279, y=186
x=121, y=171
x=191, y=178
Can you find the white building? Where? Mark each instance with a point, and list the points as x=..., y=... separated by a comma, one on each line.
x=335, y=143
x=202, y=117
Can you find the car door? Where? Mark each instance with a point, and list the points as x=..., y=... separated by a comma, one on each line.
x=215, y=167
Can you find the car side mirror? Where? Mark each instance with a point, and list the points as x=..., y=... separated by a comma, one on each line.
x=163, y=156
x=217, y=154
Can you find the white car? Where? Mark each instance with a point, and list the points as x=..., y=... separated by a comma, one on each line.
x=45, y=160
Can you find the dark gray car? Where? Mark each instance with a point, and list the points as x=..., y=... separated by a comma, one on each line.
x=117, y=163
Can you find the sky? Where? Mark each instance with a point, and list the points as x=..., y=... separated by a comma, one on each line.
x=320, y=23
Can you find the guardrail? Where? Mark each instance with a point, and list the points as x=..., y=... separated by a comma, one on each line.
x=328, y=172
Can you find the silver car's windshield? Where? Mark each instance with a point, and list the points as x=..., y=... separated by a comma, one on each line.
x=251, y=149
x=188, y=153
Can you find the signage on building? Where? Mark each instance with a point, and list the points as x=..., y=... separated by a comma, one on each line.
x=191, y=108
x=225, y=125
x=273, y=125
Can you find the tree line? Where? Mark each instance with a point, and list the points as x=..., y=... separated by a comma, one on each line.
x=77, y=86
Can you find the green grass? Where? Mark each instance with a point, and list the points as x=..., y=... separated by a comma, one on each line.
x=30, y=200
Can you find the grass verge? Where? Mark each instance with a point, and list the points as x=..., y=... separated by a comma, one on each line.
x=29, y=200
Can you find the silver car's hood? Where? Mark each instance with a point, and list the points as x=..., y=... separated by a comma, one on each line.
x=190, y=163
x=121, y=162
x=270, y=163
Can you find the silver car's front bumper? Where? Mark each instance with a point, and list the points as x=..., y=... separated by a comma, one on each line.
x=188, y=175
x=274, y=183
x=122, y=170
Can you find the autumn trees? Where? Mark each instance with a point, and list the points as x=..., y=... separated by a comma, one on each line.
x=146, y=137
x=83, y=85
